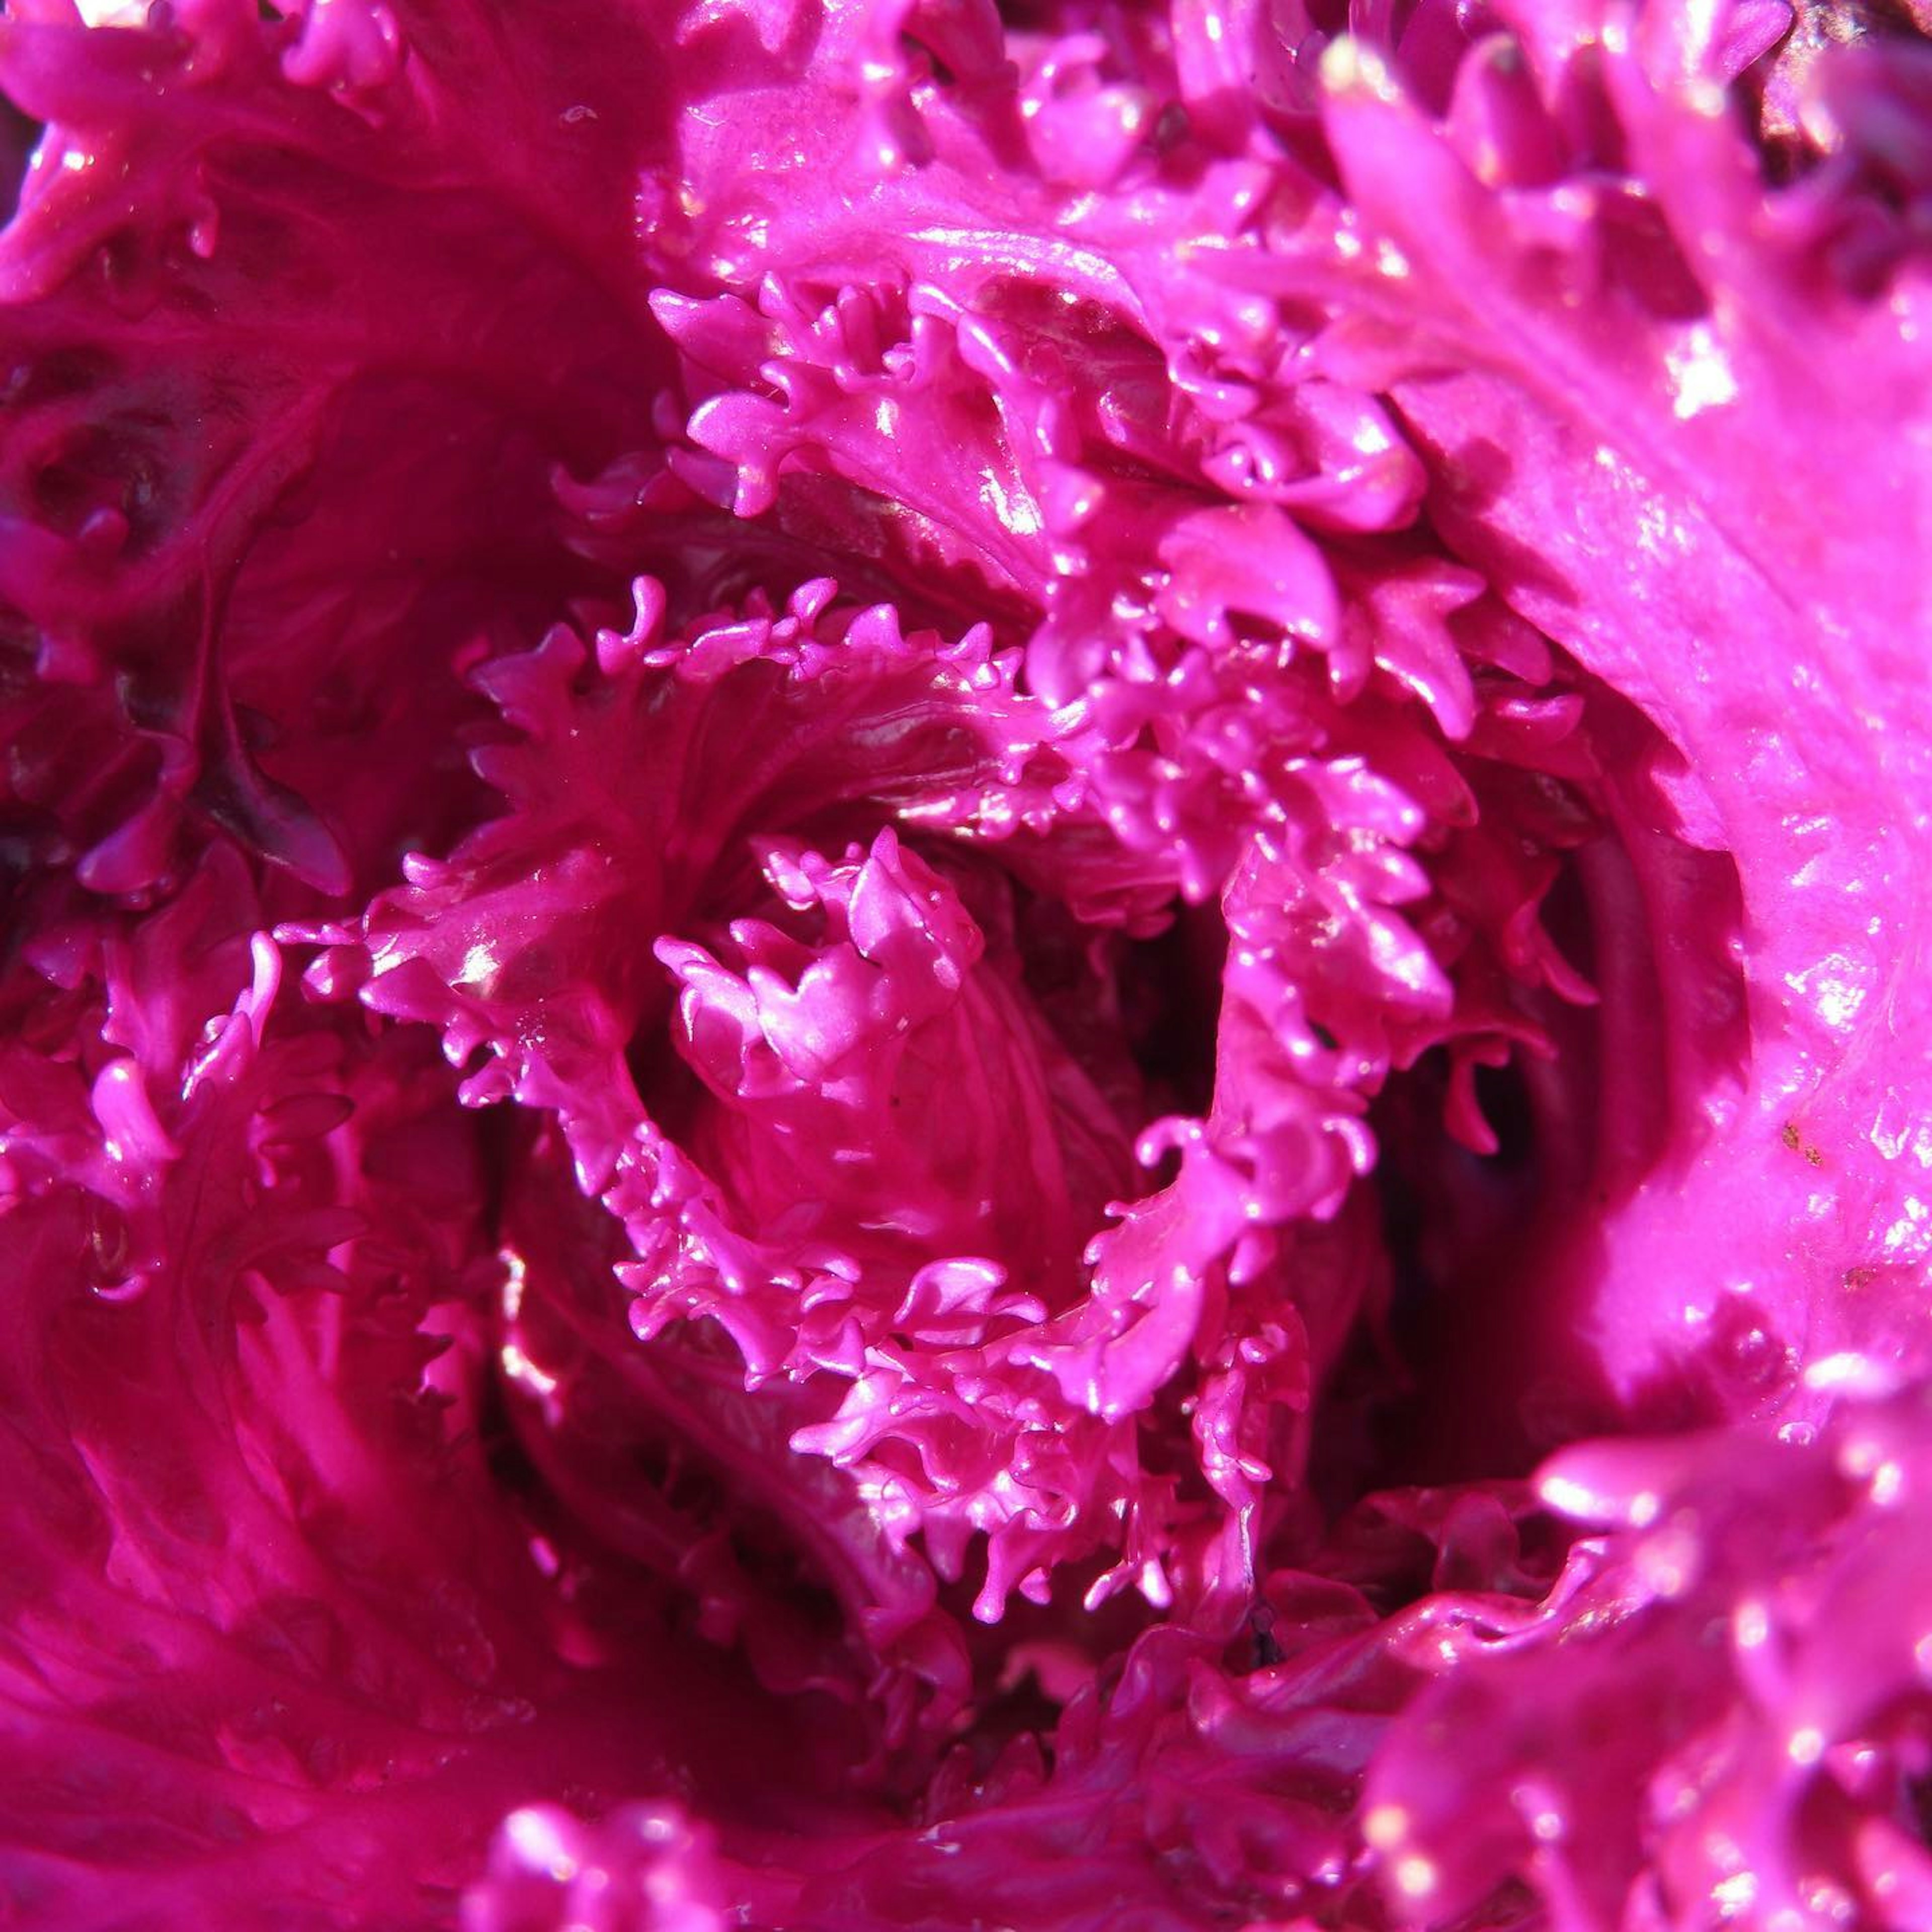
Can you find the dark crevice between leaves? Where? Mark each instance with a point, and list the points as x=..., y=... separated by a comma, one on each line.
x=19, y=136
